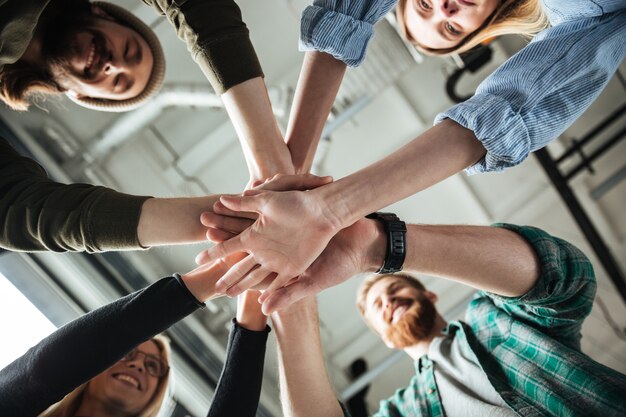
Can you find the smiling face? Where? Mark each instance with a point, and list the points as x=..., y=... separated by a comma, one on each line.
x=399, y=312
x=443, y=24
x=126, y=387
x=98, y=57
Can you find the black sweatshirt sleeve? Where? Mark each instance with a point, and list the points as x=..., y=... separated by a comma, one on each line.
x=83, y=348
x=239, y=387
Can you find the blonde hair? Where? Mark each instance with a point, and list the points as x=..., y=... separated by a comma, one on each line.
x=366, y=285
x=68, y=406
x=522, y=17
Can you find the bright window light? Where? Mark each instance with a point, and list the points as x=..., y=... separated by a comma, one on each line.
x=23, y=325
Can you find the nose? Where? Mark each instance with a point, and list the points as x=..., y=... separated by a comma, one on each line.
x=449, y=7
x=137, y=363
x=112, y=65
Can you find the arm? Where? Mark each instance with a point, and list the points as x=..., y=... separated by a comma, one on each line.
x=304, y=383
x=239, y=387
x=90, y=344
x=40, y=214
x=219, y=42
x=486, y=258
x=320, y=78
x=540, y=91
x=335, y=35
x=433, y=156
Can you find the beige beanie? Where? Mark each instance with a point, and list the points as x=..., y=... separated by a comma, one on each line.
x=158, y=68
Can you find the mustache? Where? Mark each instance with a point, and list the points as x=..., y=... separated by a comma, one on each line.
x=414, y=325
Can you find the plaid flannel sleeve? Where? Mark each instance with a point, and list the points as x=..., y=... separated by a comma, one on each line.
x=564, y=293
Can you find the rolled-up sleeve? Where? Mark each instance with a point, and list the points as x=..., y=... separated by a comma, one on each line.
x=539, y=92
x=342, y=28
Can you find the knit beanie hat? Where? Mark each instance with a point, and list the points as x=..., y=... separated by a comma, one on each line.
x=158, y=69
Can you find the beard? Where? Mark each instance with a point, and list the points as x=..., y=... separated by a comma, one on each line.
x=415, y=324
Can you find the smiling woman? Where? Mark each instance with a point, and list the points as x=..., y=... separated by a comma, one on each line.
x=441, y=27
x=135, y=386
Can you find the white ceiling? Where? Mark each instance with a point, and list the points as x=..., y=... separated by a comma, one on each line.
x=396, y=111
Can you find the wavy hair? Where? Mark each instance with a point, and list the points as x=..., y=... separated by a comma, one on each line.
x=522, y=17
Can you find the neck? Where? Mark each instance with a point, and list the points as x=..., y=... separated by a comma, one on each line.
x=421, y=348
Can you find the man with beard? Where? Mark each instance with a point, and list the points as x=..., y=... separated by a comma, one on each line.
x=516, y=353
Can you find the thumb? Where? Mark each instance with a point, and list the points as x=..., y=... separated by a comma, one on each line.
x=286, y=296
x=243, y=203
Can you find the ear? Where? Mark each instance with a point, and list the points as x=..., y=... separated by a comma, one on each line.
x=431, y=296
x=100, y=12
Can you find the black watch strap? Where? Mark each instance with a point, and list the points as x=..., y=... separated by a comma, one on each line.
x=396, y=241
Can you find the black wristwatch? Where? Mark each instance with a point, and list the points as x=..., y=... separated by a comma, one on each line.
x=396, y=241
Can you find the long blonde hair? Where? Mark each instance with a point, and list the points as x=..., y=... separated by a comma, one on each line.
x=68, y=406
x=522, y=17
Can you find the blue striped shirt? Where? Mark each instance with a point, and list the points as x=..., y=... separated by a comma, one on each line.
x=527, y=102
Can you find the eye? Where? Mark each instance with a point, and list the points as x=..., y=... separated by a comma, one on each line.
x=452, y=29
x=424, y=5
x=153, y=366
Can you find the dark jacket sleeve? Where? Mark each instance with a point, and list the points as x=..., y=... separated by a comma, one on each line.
x=239, y=387
x=216, y=37
x=85, y=347
x=39, y=214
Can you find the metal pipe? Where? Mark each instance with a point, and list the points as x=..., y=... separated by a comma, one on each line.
x=597, y=153
x=581, y=217
x=592, y=134
x=129, y=123
x=609, y=183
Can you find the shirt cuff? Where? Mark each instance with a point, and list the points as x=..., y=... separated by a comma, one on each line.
x=337, y=34
x=497, y=126
x=114, y=218
x=180, y=281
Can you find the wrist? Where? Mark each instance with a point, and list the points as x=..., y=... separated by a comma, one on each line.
x=337, y=211
x=375, y=248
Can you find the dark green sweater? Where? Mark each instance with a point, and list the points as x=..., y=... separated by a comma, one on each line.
x=213, y=30
x=39, y=214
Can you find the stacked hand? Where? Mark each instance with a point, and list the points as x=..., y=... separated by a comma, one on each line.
x=287, y=243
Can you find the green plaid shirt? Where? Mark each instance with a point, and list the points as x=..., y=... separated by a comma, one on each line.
x=529, y=346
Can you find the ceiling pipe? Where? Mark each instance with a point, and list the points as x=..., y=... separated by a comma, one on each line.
x=125, y=126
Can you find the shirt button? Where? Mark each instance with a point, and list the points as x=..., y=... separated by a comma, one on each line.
x=430, y=391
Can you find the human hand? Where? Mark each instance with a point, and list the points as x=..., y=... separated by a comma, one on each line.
x=276, y=241
x=355, y=249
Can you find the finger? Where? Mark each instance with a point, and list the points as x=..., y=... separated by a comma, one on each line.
x=222, y=250
x=253, y=278
x=235, y=274
x=202, y=257
x=284, y=297
x=228, y=223
x=278, y=282
x=265, y=283
x=243, y=203
x=219, y=208
x=295, y=182
x=219, y=236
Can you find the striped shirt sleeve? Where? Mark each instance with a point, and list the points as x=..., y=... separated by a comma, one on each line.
x=341, y=28
x=539, y=92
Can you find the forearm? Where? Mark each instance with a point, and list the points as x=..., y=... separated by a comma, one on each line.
x=75, y=353
x=304, y=383
x=320, y=78
x=171, y=221
x=432, y=157
x=250, y=111
x=487, y=258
